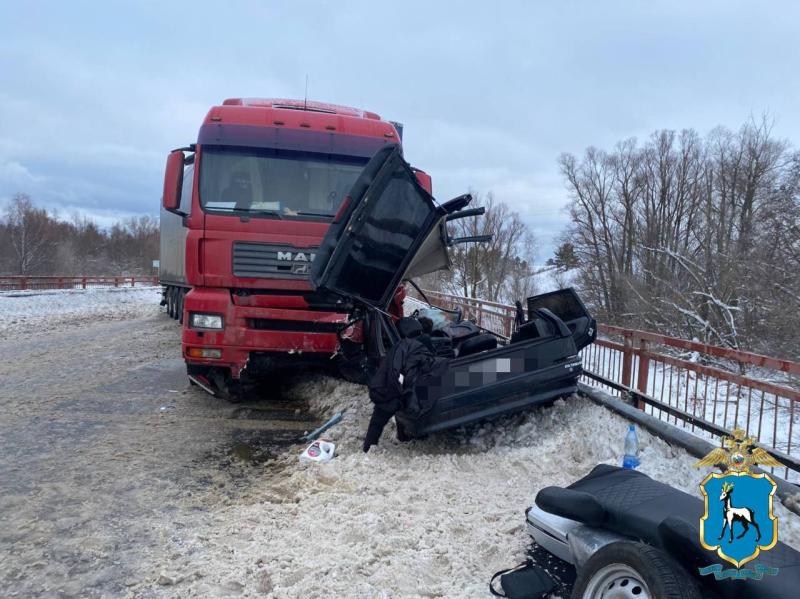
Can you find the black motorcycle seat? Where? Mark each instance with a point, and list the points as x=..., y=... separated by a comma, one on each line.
x=634, y=505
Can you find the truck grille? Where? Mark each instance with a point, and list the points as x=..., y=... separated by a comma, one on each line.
x=263, y=260
x=298, y=326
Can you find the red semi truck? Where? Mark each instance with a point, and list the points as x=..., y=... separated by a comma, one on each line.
x=244, y=210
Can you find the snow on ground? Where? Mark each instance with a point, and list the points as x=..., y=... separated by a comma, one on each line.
x=430, y=518
x=40, y=311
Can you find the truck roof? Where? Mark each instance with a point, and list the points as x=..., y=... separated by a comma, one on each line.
x=302, y=114
x=307, y=105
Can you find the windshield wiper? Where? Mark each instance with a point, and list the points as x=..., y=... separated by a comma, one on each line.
x=303, y=213
x=248, y=211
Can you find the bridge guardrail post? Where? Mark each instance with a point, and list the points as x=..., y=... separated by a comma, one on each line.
x=644, y=370
x=627, y=360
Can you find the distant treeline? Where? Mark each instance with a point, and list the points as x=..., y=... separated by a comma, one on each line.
x=35, y=242
x=692, y=236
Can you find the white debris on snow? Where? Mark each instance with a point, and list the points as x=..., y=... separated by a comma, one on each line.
x=430, y=518
x=40, y=311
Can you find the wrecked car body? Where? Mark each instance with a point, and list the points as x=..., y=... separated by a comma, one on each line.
x=389, y=230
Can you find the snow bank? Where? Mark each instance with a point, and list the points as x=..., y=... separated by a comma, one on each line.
x=432, y=518
x=34, y=312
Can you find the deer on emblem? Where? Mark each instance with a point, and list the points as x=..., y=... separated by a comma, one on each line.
x=736, y=514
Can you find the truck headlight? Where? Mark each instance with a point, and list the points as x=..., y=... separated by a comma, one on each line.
x=206, y=321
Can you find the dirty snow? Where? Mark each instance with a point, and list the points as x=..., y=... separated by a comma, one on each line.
x=41, y=311
x=432, y=518
x=117, y=497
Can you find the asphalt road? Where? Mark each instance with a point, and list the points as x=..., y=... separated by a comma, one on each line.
x=109, y=459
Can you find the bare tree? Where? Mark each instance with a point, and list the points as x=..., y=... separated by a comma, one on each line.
x=33, y=241
x=691, y=236
x=500, y=270
x=31, y=235
x=483, y=270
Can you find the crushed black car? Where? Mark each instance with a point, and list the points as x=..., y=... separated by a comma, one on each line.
x=390, y=230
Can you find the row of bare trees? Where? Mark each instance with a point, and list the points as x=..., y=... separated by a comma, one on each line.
x=500, y=270
x=692, y=236
x=35, y=242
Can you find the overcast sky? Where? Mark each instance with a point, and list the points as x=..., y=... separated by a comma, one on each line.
x=94, y=95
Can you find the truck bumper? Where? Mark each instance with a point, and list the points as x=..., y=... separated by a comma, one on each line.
x=250, y=329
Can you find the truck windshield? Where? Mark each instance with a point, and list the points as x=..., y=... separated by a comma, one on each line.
x=250, y=180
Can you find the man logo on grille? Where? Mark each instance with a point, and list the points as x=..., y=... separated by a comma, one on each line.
x=296, y=256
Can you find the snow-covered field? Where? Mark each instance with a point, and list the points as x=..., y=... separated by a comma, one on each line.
x=163, y=516
x=35, y=312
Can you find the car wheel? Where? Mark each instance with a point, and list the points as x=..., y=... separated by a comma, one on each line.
x=630, y=570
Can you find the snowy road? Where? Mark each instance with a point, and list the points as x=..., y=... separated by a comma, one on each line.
x=117, y=479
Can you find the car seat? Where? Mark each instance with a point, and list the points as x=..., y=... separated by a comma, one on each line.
x=476, y=344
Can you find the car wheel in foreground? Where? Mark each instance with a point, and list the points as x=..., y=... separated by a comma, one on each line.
x=629, y=570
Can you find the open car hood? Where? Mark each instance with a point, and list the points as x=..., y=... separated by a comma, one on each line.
x=387, y=230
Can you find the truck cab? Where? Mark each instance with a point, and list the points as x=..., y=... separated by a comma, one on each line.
x=249, y=204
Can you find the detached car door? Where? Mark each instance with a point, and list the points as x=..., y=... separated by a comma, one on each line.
x=566, y=304
x=388, y=229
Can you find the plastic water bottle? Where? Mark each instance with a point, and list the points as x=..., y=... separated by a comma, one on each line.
x=631, y=457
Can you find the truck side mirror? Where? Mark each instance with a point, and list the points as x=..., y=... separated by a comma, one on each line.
x=173, y=181
x=424, y=180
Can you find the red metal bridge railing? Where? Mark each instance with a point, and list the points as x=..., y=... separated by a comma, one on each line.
x=706, y=389
x=21, y=283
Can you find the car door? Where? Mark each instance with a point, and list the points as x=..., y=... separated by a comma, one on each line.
x=389, y=228
x=566, y=304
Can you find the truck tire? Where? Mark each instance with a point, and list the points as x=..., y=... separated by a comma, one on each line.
x=171, y=302
x=231, y=390
x=174, y=303
x=181, y=295
x=631, y=570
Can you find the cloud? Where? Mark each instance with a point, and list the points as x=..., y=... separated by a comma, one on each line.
x=93, y=96
x=12, y=173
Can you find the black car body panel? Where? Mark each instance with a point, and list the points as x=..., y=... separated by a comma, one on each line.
x=567, y=306
x=499, y=381
x=391, y=229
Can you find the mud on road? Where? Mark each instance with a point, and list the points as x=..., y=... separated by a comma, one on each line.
x=111, y=461
x=118, y=479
